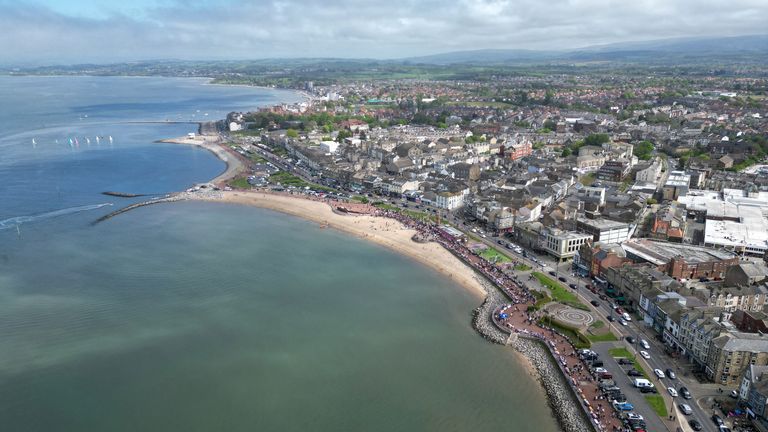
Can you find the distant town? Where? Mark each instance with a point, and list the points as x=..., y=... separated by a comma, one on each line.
x=647, y=195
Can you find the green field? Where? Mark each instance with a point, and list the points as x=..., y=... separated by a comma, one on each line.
x=602, y=337
x=559, y=293
x=522, y=267
x=493, y=255
x=657, y=404
x=240, y=183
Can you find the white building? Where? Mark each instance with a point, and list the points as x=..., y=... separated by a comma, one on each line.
x=450, y=200
x=563, y=245
x=329, y=146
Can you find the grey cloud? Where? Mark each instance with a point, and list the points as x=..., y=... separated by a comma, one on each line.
x=351, y=28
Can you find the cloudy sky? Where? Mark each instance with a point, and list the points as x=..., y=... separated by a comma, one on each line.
x=73, y=31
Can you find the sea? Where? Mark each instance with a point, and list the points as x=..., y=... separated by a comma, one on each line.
x=211, y=317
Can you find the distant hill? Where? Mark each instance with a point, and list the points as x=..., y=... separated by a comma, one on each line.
x=752, y=48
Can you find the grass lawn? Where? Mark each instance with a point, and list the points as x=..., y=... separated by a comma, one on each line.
x=385, y=206
x=493, y=255
x=240, y=183
x=522, y=267
x=602, y=337
x=578, y=339
x=597, y=324
x=541, y=299
x=559, y=293
x=657, y=404
x=258, y=159
x=620, y=352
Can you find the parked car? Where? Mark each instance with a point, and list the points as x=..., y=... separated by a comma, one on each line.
x=659, y=373
x=645, y=355
x=695, y=424
x=625, y=361
x=672, y=392
x=573, y=286
x=685, y=409
x=648, y=390
x=622, y=322
x=634, y=416
x=734, y=394
x=623, y=406
x=671, y=374
x=595, y=303
x=610, y=318
x=630, y=339
x=718, y=420
x=552, y=273
x=644, y=344
x=685, y=393
x=634, y=372
x=562, y=279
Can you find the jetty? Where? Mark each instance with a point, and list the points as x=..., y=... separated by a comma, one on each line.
x=169, y=198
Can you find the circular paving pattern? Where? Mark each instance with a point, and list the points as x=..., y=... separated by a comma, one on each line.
x=574, y=317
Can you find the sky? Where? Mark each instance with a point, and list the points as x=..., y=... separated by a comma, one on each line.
x=45, y=32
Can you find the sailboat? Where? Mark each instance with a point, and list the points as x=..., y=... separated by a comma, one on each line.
x=70, y=143
x=110, y=139
x=98, y=138
x=34, y=143
x=87, y=140
x=77, y=143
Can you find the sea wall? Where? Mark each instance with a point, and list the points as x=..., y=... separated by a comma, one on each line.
x=561, y=398
x=482, y=316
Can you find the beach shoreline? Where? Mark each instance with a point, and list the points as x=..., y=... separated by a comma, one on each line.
x=212, y=143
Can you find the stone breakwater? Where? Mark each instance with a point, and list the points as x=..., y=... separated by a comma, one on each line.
x=482, y=320
x=567, y=410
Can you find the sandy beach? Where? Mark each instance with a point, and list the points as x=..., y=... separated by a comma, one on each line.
x=383, y=231
x=213, y=144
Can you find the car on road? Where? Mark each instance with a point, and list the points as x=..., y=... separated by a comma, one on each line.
x=685, y=409
x=659, y=373
x=685, y=393
x=595, y=303
x=552, y=273
x=630, y=339
x=695, y=424
x=718, y=420
x=671, y=374
x=610, y=318
x=672, y=392
x=644, y=344
x=562, y=279
x=623, y=406
x=573, y=286
x=622, y=322
x=645, y=355
x=634, y=372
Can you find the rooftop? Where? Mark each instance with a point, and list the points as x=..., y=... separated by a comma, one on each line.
x=659, y=253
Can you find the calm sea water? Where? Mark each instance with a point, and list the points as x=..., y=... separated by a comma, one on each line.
x=208, y=317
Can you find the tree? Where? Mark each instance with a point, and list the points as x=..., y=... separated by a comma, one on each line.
x=596, y=139
x=566, y=152
x=643, y=150
x=550, y=124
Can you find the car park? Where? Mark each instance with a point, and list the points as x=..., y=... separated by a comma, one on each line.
x=659, y=373
x=685, y=409
x=685, y=393
x=645, y=355
x=672, y=392
x=671, y=374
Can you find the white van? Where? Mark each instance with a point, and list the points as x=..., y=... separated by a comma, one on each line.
x=641, y=382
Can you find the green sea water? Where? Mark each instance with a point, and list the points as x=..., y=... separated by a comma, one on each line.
x=214, y=317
